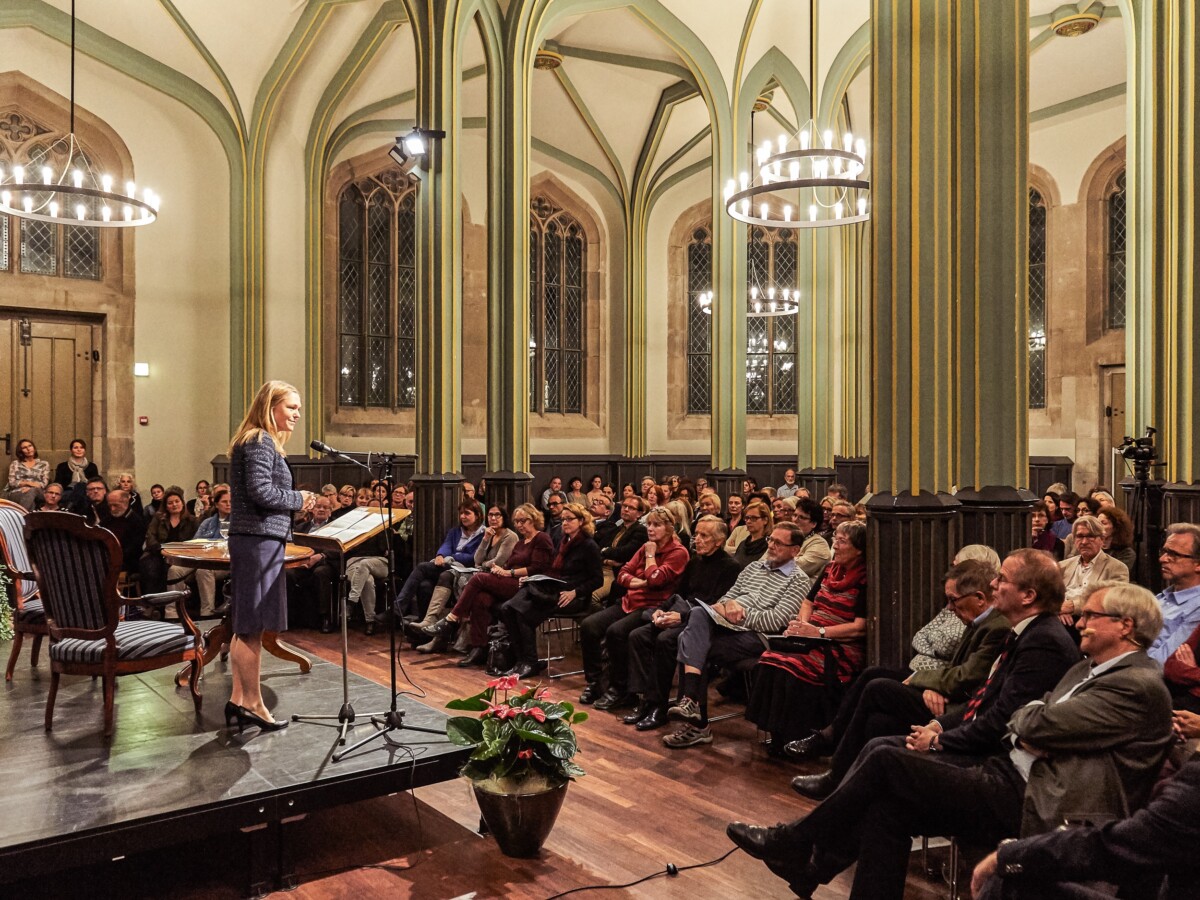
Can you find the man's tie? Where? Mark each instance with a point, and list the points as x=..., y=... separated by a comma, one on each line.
x=977, y=698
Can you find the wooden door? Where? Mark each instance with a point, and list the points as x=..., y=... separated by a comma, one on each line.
x=1113, y=427
x=45, y=384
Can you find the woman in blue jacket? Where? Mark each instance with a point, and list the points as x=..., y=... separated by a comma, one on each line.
x=459, y=545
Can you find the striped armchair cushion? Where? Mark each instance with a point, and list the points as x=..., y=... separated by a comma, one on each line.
x=32, y=613
x=135, y=640
x=12, y=533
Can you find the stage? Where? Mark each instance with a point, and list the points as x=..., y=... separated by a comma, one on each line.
x=170, y=777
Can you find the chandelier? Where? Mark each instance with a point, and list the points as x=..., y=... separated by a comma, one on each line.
x=763, y=303
x=808, y=180
x=60, y=185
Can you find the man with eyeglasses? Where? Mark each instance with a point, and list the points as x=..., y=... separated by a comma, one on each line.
x=1175, y=648
x=554, y=507
x=1088, y=750
x=886, y=702
x=619, y=540
x=1091, y=566
x=601, y=508
x=766, y=596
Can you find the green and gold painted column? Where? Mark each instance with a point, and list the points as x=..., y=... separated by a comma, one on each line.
x=948, y=343
x=436, y=35
x=1164, y=220
x=509, y=68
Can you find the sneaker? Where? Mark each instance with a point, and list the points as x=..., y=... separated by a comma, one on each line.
x=688, y=736
x=686, y=710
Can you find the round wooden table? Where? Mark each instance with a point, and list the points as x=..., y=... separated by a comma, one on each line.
x=215, y=555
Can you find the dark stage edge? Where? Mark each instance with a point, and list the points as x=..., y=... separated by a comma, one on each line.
x=169, y=775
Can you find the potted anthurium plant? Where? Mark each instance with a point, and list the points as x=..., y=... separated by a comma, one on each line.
x=523, y=759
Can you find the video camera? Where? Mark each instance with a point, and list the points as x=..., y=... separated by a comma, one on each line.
x=1140, y=450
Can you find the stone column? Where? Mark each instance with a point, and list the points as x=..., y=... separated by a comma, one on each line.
x=1164, y=222
x=508, y=476
x=439, y=274
x=949, y=114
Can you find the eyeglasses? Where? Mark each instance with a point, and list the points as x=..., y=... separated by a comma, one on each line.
x=754, y=518
x=951, y=598
x=1175, y=555
x=772, y=541
x=495, y=514
x=520, y=520
x=554, y=503
x=1086, y=537
x=567, y=517
x=1088, y=614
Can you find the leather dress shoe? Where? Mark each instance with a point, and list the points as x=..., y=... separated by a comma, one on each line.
x=590, y=694
x=639, y=712
x=523, y=670
x=370, y=629
x=476, y=656
x=786, y=856
x=614, y=699
x=816, y=744
x=656, y=718
x=815, y=787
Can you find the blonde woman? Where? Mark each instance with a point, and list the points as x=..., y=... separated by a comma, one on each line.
x=260, y=522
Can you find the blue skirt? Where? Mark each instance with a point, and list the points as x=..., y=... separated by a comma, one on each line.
x=258, y=584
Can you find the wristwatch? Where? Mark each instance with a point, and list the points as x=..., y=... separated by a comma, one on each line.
x=821, y=631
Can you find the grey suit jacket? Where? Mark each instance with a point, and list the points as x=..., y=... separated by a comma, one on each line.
x=1105, y=568
x=260, y=487
x=1105, y=744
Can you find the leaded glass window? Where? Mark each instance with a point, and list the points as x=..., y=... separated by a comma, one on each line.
x=3, y=243
x=376, y=310
x=770, y=340
x=1115, y=305
x=699, y=342
x=1037, y=300
x=556, y=309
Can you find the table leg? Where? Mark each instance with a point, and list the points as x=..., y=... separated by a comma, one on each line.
x=272, y=644
x=214, y=638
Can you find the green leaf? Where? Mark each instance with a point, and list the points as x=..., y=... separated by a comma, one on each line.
x=464, y=731
x=478, y=703
x=579, y=717
x=537, y=736
x=573, y=770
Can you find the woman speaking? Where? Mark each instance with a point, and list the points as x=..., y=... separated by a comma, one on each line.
x=261, y=520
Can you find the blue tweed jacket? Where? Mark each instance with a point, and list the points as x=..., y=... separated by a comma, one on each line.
x=260, y=486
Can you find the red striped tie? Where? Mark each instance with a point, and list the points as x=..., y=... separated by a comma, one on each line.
x=977, y=698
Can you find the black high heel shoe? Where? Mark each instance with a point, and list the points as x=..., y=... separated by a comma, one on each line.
x=245, y=717
x=231, y=713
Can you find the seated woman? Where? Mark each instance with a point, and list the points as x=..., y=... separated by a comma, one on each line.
x=125, y=483
x=531, y=556
x=735, y=506
x=595, y=489
x=73, y=474
x=493, y=551
x=577, y=568
x=173, y=524
x=575, y=493
x=346, y=496
x=749, y=541
x=1043, y=538
x=27, y=476
x=681, y=512
x=214, y=527
x=1118, y=535
x=460, y=544
x=709, y=504
x=791, y=695
x=200, y=506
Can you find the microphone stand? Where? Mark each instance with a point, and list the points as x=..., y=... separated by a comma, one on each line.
x=393, y=720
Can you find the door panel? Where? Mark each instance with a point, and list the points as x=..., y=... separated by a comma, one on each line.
x=46, y=385
x=1113, y=429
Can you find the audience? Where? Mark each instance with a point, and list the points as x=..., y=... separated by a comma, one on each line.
x=199, y=506
x=618, y=541
x=459, y=546
x=1091, y=566
x=174, y=523
x=126, y=483
x=72, y=474
x=734, y=508
x=95, y=501
x=129, y=529
x=648, y=578
x=27, y=476
x=789, y=488
x=215, y=527
x=1043, y=538
x=1118, y=536
x=814, y=551
x=748, y=542
x=52, y=498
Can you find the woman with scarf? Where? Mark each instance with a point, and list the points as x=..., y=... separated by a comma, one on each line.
x=578, y=571
x=793, y=693
x=73, y=474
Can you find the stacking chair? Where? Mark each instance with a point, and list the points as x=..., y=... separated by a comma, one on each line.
x=76, y=566
x=28, y=615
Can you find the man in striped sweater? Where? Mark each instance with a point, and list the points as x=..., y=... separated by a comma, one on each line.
x=765, y=597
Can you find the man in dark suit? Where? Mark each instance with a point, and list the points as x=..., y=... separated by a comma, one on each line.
x=1134, y=853
x=618, y=542
x=883, y=702
x=129, y=528
x=952, y=776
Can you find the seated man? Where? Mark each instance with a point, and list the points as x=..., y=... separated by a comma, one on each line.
x=653, y=646
x=1091, y=566
x=765, y=597
x=1133, y=853
x=618, y=540
x=94, y=505
x=880, y=703
x=52, y=498
x=1175, y=648
x=1091, y=748
x=129, y=528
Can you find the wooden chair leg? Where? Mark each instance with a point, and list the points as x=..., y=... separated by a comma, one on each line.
x=194, y=683
x=37, y=649
x=110, y=683
x=50, y=700
x=12, y=657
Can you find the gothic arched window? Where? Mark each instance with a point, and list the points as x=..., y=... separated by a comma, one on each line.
x=1115, y=256
x=699, y=340
x=556, y=309
x=1037, y=300
x=377, y=292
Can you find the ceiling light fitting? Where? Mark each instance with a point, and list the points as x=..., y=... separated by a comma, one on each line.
x=409, y=148
x=61, y=186
x=810, y=180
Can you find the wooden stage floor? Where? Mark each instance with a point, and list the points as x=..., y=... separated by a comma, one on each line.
x=639, y=807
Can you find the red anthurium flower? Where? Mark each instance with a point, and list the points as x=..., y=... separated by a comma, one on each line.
x=542, y=694
x=504, y=682
x=503, y=711
x=536, y=712
x=525, y=754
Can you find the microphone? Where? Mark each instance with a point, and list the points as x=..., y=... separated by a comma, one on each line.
x=326, y=450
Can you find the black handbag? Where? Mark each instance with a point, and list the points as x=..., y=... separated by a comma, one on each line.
x=500, y=654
